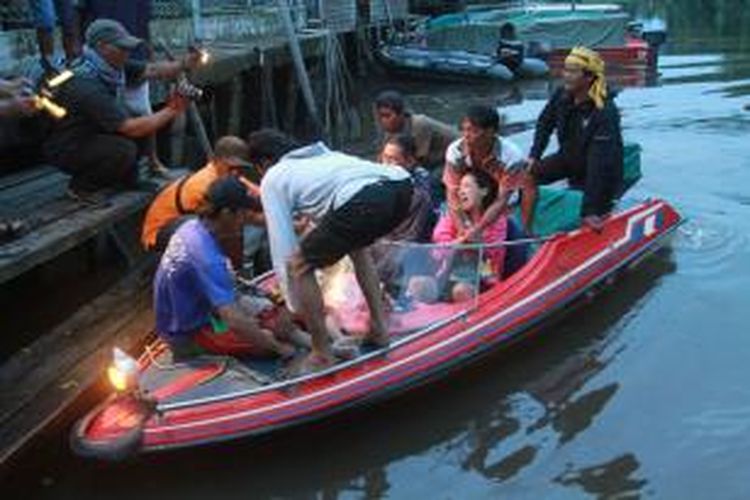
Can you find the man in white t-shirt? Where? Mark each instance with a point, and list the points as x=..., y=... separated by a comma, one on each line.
x=352, y=202
x=481, y=148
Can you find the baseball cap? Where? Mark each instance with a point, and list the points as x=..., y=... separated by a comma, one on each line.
x=233, y=151
x=229, y=192
x=110, y=31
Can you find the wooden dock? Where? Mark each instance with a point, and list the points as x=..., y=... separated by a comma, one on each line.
x=40, y=381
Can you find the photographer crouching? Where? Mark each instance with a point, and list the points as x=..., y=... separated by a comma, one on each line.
x=99, y=140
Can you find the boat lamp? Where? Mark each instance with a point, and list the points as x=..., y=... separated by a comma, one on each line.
x=205, y=56
x=123, y=372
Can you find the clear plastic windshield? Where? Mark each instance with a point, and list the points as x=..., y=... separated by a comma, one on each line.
x=422, y=285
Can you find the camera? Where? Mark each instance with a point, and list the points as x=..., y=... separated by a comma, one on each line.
x=188, y=89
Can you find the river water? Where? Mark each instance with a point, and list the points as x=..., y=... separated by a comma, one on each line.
x=643, y=392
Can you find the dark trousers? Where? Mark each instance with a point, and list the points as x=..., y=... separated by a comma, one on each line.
x=558, y=166
x=105, y=161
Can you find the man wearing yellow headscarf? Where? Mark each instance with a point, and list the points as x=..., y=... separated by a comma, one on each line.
x=587, y=125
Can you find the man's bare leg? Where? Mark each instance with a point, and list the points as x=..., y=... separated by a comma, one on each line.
x=529, y=193
x=311, y=301
x=288, y=331
x=156, y=167
x=364, y=268
x=247, y=328
x=70, y=45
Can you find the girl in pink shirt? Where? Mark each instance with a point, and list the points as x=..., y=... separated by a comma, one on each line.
x=477, y=191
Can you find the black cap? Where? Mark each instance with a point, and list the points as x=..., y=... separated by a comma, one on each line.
x=110, y=31
x=229, y=192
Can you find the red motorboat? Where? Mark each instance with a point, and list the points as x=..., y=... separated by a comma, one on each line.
x=637, y=53
x=161, y=405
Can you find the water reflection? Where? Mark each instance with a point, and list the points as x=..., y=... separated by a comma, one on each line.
x=495, y=420
x=611, y=479
x=558, y=405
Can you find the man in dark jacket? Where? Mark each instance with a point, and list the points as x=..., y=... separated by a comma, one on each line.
x=96, y=141
x=587, y=123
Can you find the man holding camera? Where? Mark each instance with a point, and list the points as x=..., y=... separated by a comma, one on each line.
x=98, y=140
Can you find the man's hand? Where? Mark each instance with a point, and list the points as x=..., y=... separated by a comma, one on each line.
x=470, y=235
x=178, y=103
x=18, y=106
x=595, y=222
x=16, y=86
x=191, y=60
x=490, y=163
x=26, y=105
x=513, y=180
x=531, y=164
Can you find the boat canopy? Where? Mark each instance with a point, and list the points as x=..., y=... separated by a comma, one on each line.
x=559, y=28
x=423, y=284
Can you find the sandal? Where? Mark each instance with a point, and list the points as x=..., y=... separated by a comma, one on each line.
x=346, y=348
x=12, y=229
x=308, y=364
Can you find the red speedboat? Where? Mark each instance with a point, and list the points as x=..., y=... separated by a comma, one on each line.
x=637, y=53
x=161, y=405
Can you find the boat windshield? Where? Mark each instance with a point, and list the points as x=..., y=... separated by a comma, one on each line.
x=423, y=284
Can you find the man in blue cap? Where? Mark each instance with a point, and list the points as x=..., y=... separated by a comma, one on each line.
x=96, y=141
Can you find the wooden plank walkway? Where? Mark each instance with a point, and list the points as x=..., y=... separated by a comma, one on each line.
x=56, y=223
x=43, y=379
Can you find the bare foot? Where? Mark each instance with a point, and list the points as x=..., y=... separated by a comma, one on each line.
x=157, y=169
x=300, y=338
x=346, y=347
x=377, y=340
x=314, y=362
x=285, y=350
x=378, y=335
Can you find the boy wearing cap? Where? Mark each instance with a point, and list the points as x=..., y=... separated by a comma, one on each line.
x=588, y=133
x=96, y=141
x=184, y=196
x=194, y=295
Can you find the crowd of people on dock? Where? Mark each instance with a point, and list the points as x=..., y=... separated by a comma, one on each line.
x=431, y=183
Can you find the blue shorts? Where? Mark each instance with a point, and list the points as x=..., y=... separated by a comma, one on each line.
x=46, y=13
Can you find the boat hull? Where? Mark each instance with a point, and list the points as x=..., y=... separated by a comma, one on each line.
x=635, y=54
x=456, y=65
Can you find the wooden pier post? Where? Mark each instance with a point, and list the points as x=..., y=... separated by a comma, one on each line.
x=236, y=108
x=299, y=65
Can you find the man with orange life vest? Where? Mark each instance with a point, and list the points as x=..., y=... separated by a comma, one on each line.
x=587, y=123
x=183, y=197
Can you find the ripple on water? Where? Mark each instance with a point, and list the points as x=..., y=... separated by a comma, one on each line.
x=716, y=431
x=707, y=247
x=616, y=478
